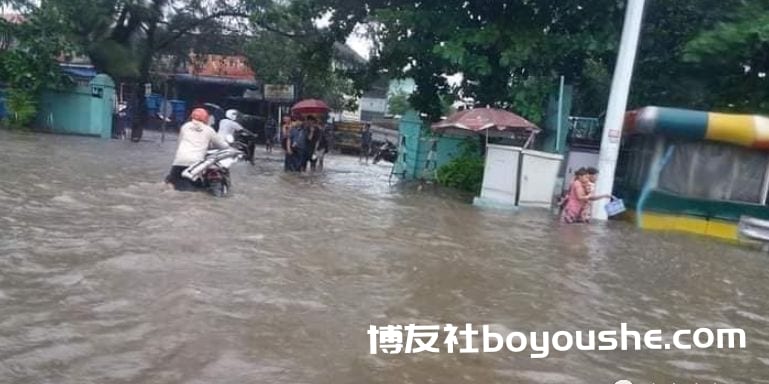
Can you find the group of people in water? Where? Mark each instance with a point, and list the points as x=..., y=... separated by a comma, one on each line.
x=305, y=141
x=577, y=205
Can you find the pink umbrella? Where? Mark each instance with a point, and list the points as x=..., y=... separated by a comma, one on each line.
x=310, y=106
x=481, y=119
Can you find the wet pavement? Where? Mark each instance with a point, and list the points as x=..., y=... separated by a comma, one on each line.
x=107, y=277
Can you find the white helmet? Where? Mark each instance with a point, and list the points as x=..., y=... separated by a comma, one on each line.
x=232, y=114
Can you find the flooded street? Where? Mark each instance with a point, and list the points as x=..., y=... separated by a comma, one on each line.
x=107, y=277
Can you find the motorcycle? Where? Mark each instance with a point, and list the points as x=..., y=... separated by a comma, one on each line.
x=213, y=172
x=387, y=152
x=244, y=141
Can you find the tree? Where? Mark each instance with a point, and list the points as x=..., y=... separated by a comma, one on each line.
x=290, y=48
x=734, y=55
x=695, y=53
x=282, y=60
x=663, y=76
x=398, y=104
x=505, y=64
x=28, y=65
x=123, y=38
x=699, y=53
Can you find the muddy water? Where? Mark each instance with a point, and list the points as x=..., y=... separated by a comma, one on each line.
x=105, y=277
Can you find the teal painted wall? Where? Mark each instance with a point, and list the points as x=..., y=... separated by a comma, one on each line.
x=410, y=132
x=85, y=109
x=414, y=160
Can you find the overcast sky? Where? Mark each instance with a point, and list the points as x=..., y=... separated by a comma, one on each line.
x=360, y=44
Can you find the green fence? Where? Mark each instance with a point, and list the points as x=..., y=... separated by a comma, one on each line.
x=420, y=153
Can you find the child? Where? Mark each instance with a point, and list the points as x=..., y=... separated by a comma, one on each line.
x=592, y=177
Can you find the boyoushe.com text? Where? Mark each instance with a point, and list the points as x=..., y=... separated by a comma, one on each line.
x=412, y=339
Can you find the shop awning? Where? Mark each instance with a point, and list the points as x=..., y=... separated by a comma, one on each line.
x=187, y=78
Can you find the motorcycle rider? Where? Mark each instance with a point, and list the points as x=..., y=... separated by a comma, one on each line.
x=387, y=151
x=195, y=138
x=229, y=126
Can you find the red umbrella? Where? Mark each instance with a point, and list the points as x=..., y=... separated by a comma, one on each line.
x=310, y=106
x=481, y=119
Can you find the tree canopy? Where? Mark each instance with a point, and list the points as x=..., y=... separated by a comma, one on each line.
x=28, y=61
x=693, y=53
x=734, y=56
x=706, y=54
x=510, y=53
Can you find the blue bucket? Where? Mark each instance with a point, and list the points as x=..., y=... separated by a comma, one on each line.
x=179, y=110
x=154, y=101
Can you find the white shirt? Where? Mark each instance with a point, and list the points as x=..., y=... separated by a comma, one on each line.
x=228, y=127
x=194, y=141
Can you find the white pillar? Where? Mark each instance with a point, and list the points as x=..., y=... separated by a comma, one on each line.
x=615, y=115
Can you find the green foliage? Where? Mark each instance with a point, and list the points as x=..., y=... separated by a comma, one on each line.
x=116, y=59
x=274, y=58
x=593, y=88
x=22, y=107
x=447, y=107
x=398, y=104
x=307, y=65
x=30, y=66
x=708, y=54
x=511, y=53
x=529, y=97
x=464, y=173
x=662, y=76
x=123, y=38
x=732, y=57
x=291, y=49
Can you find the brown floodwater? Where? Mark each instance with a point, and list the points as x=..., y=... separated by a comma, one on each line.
x=107, y=277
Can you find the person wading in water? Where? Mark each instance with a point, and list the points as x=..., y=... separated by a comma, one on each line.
x=576, y=208
x=195, y=138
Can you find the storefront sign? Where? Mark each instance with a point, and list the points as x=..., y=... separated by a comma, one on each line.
x=278, y=92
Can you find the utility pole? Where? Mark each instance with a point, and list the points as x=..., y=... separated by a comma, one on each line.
x=615, y=114
x=559, y=124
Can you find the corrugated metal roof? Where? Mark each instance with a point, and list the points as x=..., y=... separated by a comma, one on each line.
x=182, y=77
x=82, y=72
